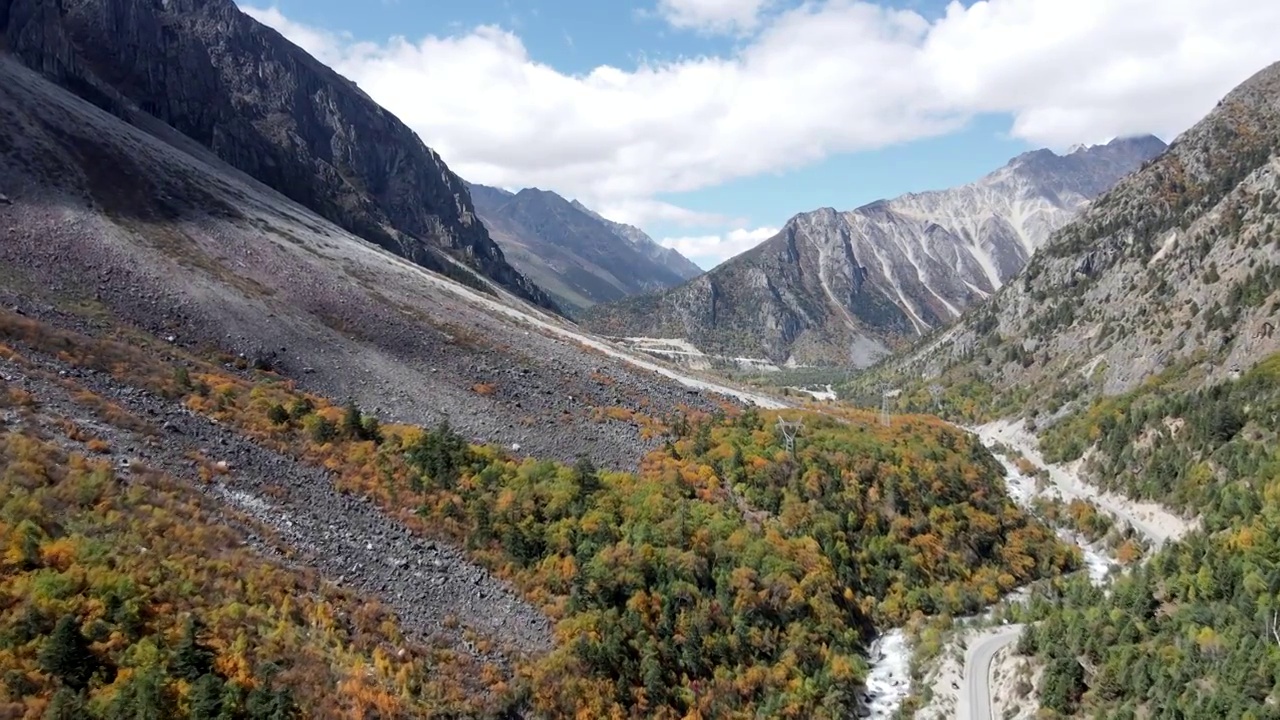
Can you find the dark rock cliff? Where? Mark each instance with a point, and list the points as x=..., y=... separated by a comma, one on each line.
x=269, y=109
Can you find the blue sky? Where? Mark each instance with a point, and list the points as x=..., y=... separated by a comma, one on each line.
x=714, y=121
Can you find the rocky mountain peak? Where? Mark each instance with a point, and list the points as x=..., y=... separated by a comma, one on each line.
x=1176, y=267
x=833, y=286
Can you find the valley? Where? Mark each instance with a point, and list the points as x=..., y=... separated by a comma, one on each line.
x=295, y=422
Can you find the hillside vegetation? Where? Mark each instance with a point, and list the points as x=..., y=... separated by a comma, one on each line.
x=725, y=578
x=132, y=596
x=1193, y=632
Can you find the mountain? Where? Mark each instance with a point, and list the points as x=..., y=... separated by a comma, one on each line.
x=669, y=257
x=841, y=287
x=1176, y=269
x=267, y=108
x=577, y=255
x=134, y=228
x=1140, y=346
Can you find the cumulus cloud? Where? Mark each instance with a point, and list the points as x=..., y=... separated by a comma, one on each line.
x=827, y=77
x=711, y=250
x=713, y=16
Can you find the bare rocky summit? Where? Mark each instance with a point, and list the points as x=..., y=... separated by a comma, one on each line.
x=264, y=106
x=846, y=287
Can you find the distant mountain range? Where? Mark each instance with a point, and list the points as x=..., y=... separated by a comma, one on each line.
x=572, y=252
x=846, y=287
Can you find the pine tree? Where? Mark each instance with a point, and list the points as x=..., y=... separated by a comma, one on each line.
x=301, y=408
x=352, y=422
x=66, y=654
x=585, y=476
x=145, y=697
x=191, y=659
x=655, y=687
x=30, y=534
x=232, y=702
x=267, y=704
x=67, y=704
x=206, y=698
x=322, y=431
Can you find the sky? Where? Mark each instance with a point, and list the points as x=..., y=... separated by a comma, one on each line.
x=709, y=123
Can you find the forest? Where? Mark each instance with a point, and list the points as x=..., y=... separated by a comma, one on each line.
x=1192, y=634
x=135, y=598
x=725, y=578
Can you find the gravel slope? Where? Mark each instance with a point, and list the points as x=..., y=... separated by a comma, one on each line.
x=139, y=229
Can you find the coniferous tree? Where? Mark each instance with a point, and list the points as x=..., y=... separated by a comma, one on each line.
x=191, y=659
x=66, y=654
x=67, y=704
x=144, y=697
x=585, y=476
x=206, y=698
x=352, y=422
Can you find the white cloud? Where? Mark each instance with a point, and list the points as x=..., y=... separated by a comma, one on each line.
x=711, y=250
x=831, y=76
x=717, y=16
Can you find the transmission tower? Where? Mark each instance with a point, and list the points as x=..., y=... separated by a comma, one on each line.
x=789, y=428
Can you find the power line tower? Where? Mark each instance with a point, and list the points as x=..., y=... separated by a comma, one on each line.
x=789, y=429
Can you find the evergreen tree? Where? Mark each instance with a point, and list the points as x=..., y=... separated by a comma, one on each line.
x=66, y=654
x=585, y=476
x=232, y=702
x=67, y=704
x=268, y=704
x=30, y=535
x=301, y=408
x=702, y=440
x=191, y=659
x=322, y=431
x=441, y=454
x=144, y=697
x=1062, y=685
x=206, y=698
x=352, y=422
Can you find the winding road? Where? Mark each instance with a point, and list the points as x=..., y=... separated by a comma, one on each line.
x=1152, y=521
x=975, y=693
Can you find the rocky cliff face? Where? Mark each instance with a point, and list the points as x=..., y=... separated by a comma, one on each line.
x=571, y=251
x=267, y=108
x=1177, y=266
x=841, y=287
